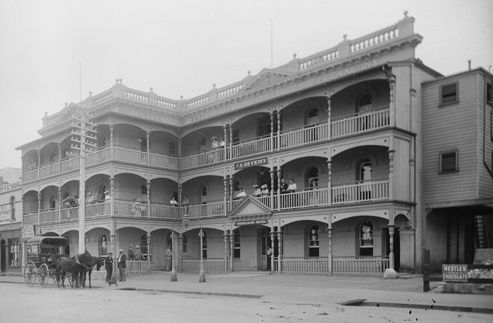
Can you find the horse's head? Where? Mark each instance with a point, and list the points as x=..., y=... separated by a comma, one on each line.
x=99, y=263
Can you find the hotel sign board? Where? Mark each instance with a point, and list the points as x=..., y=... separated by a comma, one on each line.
x=248, y=222
x=454, y=273
x=250, y=163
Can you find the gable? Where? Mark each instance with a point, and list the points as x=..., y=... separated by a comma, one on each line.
x=265, y=78
x=250, y=207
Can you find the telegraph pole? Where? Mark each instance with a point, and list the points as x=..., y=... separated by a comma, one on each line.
x=83, y=141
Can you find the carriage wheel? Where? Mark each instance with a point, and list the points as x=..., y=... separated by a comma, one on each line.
x=30, y=274
x=43, y=272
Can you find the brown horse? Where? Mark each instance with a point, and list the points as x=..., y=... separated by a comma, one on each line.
x=77, y=267
x=86, y=264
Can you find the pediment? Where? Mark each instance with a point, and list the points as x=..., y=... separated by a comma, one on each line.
x=265, y=77
x=250, y=207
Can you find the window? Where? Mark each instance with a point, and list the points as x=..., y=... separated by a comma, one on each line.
x=364, y=171
x=236, y=244
x=169, y=242
x=449, y=162
x=312, y=117
x=366, y=239
x=204, y=245
x=489, y=93
x=184, y=241
x=14, y=259
x=312, y=178
x=448, y=94
x=172, y=149
x=143, y=246
x=12, y=208
x=313, y=241
x=365, y=104
x=103, y=245
x=143, y=189
x=236, y=136
x=263, y=126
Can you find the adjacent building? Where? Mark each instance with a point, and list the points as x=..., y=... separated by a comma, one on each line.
x=10, y=226
x=324, y=164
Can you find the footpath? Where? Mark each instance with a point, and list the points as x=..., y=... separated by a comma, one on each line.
x=300, y=289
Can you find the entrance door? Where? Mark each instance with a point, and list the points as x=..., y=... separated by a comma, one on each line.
x=266, y=244
x=3, y=256
x=397, y=247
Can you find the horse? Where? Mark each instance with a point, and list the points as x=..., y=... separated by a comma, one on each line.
x=86, y=264
x=66, y=265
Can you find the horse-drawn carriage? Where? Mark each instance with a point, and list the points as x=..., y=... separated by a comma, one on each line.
x=43, y=254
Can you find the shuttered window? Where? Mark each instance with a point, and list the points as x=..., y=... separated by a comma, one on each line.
x=449, y=94
x=449, y=162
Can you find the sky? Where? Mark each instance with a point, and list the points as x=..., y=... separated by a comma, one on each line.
x=54, y=52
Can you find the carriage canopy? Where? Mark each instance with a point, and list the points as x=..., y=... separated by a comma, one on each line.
x=47, y=245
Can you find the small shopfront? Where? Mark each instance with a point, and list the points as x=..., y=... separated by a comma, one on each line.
x=10, y=247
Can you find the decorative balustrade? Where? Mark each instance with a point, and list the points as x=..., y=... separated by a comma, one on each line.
x=229, y=90
x=265, y=200
x=137, y=266
x=70, y=213
x=98, y=209
x=30, y=175
x=161, y=211
x=165, y=103
x=137, y=96
x=235, y=203
x=30, y=218
x=360, y=192
x=10, y=187
x=102, y=97
x=70, y=164
x=206, y=158
x=48, y=216
x=130, y=209
x=49, y=170
x=162, y=161
x=293, y=138
x=319, y=59
x=359, y=264
x=308, y=198
x=130, y=155
x=211, y=209
x=210, y=265
x=198, y=101
x=361, y=123
x=374, y=39
x=305, y=265
x=251, y=147
x=98, y=156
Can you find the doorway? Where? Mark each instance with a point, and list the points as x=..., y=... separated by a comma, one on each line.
x=397, y=246
x=3, y=256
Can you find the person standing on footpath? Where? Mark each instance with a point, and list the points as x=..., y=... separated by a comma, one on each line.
x=169, y=255
x=108, y=265
x=122, y=264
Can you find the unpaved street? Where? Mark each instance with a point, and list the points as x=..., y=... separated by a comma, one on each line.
x=19, y=303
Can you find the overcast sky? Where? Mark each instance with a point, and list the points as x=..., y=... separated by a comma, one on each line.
x=183, y=47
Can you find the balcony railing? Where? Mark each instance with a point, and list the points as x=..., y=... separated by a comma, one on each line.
x=304, y=136
x=130, y=209
x=30, y=218
x=161, y=211
x=210, y=265
x=122, y=154
x=205, y=158
x=307, y=198
x=305, y=265
x=360, y=192
x=359, y=264
x=98, y=209
x=70, y=213
x=251, y=147
x=210, y=209
x=48, y=216
x=361, y=123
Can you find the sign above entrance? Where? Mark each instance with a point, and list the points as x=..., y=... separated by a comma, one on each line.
x=28, y=231
x=248, y=222
x=250, y=163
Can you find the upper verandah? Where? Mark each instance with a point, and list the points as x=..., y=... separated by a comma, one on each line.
x=297, y=68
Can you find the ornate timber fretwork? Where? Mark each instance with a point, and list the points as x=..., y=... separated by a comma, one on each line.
x=250, y=211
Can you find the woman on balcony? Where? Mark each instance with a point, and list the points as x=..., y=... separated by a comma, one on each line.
x=265, y=190
x=292, y=186
x=257, y=192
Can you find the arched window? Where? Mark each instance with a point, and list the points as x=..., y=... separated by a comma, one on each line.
x=313, y=241
x=143, y=246
x=52, y=202
x=236, y=136
x=184, y=241
x=143, y=144
x=103, y=245
x=312, y=178
x=312, y=117
x=366, y=239
x=236, y=244
x=204, y=245
x=364, y=171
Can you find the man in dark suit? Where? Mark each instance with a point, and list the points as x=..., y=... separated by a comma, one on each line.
x=108, y=265
x=122, y=264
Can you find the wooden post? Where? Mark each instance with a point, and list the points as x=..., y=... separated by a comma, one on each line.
x=148, y=143
x=272, y=182
x=148, y=186
x=279, y=129
x=329, y=182
x=392, y=100
x=112, y=150
x=391, y=174
x=329, y=117
x=272, y=237
x=231, y=249
x=39, y=207
x=391, y=246
x=279, y=247
x=226, y=250
x=148, y=251
x=225, y=183
x=279, y=177
x=112, y=196
x=271, y=131
x=329, y=233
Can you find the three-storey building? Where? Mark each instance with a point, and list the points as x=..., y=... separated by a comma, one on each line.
x=312, y=166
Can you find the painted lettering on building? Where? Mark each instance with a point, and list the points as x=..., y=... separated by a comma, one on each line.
x=454, y=273
x=248, y=222
x=250, y=163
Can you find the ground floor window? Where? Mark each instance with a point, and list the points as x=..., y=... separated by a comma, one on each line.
x=143, y=247
x=236, y=244
x=313, y=241
x=204, y=245
x=366, y=239
x=14, y=257
x=184, y=241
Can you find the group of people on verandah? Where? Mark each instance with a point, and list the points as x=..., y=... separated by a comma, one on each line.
x=264, y=189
